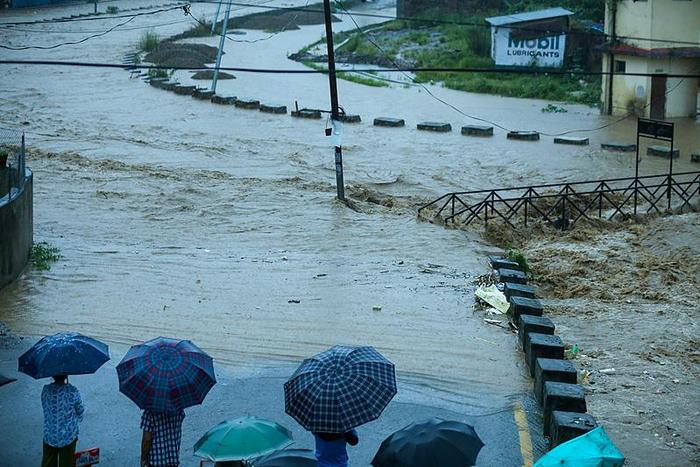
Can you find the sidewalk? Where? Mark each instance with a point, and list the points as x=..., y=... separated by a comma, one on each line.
x=112, y=420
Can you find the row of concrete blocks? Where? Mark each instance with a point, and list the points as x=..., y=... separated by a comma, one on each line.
x=555, y=380
x=653, y=150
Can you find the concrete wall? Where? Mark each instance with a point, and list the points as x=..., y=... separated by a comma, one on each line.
x=16, y=232
x=682, y=93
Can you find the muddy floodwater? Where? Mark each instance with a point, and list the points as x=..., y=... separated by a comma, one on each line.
x=182, y=218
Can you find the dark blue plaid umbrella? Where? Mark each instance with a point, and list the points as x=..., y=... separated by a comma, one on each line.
x=65, y=353
x=166, y=375
x=6, y=380
x=340, y=389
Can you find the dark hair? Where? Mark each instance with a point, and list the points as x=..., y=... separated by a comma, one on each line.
x=60, y=378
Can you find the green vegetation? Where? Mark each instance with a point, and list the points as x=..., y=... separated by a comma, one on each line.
x=149, y=41
x=158, y=73
x=43, y=254
x=553, y=109
x=112, y=10
x=349, y=76
x=458, y=46
x=519, y=257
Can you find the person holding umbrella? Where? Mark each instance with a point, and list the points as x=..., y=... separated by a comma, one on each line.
x=163, y=377
x=63, y=412
x=65, y=353
x=331, y=448
x=335, y=391
x=162, y=434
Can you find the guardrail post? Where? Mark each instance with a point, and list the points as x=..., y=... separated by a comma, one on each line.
x=527, y=201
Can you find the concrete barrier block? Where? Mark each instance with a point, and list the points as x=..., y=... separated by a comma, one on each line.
x=306, y=113
x=524, y=135
x=203, y=94
x=350, y=118
x=512, y=275
x=617, y=146
x=563, y=397
x=499, y=262
x=273, y=109
x=435, y=126
x=477, y=130
x=566, y=426
x=184, y=90
x=529, y=323
x=157, y=82
x=511, y=290
x=552, y=369
x=662, y=151
x=247, y=104
x=542, y=346
x=695, y=157
x=223, y=100
x=525, y=306
x=574, y=140
x=388, y=121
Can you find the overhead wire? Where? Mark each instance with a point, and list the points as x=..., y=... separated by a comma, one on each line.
x=473, y=117
x=462, y=23
x=94, y=18
x=89, y=31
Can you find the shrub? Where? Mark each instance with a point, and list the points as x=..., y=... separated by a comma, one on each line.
x=43, y=254
x=112, y=10
x=149, y=41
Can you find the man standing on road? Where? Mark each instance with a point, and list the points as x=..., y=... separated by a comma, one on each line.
x=63, y=411
x=162, y=433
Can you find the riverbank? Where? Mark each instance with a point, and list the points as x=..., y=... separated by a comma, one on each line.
x=627, y=296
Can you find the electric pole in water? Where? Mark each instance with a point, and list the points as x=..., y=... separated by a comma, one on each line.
x=335, y=116
x=219, y=52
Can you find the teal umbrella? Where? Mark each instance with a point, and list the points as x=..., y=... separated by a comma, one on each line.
x=242, y=438
x=593, y=449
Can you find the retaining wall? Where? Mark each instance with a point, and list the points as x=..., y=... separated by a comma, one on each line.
x=16, y=231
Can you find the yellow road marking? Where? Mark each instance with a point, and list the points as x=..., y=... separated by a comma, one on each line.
x=524, y=434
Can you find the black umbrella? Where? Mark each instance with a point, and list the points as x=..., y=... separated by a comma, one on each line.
x=6, y=380
x=287, y=458
x=432, y=442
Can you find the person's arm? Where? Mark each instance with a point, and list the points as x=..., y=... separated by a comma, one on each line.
x=79, y=407
x=351, y=438
x=146, y=441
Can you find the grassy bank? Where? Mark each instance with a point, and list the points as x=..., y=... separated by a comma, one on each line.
x=458, y=46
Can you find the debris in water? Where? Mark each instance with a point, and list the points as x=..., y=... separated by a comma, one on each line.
x=376, y=308
x=493, y=297
x=293, y=300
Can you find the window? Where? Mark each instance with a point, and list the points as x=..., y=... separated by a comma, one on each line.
x=620, y=66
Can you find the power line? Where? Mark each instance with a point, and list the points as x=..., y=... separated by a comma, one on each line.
x=253, y=41
x=461, y=23
x=94, y=18
x=133, y=28
x=359, y=70
x=458, y=110
x=55, y=46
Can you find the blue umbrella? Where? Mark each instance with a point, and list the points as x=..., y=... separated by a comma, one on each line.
x=592, y=449
x=166, y=375
x=339, y=389
x=65, y=353
x=6, y=380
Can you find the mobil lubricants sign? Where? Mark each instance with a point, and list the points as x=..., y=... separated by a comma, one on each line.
x=512, y=49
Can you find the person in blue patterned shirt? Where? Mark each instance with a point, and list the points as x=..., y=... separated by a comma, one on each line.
x=63, y=411
x=162, y=433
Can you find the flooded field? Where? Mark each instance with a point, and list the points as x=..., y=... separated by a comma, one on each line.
x=179, y=217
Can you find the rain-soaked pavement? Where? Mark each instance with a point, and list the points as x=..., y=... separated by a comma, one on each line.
x=182, y=218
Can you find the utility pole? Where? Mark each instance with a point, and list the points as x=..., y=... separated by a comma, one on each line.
x=335, y=116
x=216, y=16
x=222, y=39
x=95, y=6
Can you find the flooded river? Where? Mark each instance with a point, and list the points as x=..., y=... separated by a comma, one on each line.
x=178, y=217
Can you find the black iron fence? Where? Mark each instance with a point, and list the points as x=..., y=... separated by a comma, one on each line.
x=567, y=203
x=12, y=163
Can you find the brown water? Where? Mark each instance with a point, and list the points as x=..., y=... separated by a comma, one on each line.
x=182, y=218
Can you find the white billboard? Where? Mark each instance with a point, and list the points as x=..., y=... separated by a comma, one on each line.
x=543, y=52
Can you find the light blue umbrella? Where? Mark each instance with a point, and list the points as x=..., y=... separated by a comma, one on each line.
x=593, y=449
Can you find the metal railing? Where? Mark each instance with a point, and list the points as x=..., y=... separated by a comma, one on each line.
x=564, y=204
x=12, y=163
